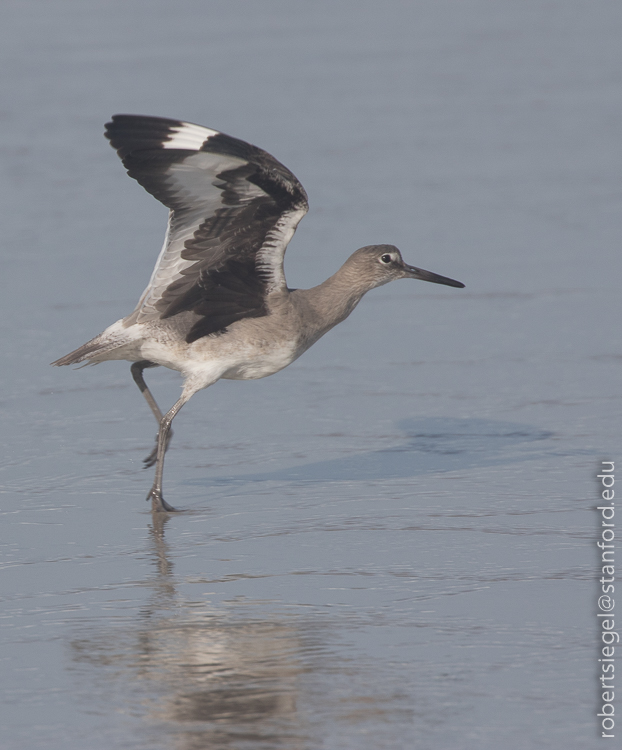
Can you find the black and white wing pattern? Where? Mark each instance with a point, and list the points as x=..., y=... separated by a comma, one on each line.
x=233, y=210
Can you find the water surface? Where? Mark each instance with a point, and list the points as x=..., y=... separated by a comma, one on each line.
x=390, y=544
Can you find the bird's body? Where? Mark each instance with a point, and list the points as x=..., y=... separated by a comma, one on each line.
x=217, y=304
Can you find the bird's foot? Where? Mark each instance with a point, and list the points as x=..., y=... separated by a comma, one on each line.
x=153, y=456
x=158, y=503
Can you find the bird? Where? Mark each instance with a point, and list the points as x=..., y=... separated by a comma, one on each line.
x=217, y=304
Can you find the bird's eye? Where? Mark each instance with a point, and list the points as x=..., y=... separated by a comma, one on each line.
x=386, y=258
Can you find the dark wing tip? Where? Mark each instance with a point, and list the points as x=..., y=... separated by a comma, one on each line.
x=127, y=133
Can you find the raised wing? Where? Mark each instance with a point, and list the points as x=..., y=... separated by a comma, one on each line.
x=233, y=210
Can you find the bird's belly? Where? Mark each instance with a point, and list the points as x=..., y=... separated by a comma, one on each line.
x=260, y=364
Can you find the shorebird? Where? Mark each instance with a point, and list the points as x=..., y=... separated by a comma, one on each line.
x=217, y=304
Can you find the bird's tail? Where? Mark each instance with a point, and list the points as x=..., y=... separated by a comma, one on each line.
x=99, y=349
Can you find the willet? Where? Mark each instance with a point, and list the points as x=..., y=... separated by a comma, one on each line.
x=217, y=304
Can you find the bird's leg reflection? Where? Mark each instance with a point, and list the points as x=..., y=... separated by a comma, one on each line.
x=156, y=532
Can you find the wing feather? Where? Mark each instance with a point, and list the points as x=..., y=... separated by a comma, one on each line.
x=233, y=209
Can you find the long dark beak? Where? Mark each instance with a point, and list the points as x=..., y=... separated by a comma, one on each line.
x=419, y=273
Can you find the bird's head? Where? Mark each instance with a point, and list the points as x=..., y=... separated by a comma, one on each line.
x=379, y=264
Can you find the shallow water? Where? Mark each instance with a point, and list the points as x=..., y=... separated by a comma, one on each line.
x=390, y=544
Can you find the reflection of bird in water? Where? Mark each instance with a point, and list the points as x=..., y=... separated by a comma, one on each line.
x=217, y=670
x=217, y=305
x=210, y=679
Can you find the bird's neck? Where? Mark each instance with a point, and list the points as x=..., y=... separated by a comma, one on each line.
x=332, y=301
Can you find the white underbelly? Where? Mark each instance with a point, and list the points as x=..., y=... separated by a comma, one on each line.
x=260, y=365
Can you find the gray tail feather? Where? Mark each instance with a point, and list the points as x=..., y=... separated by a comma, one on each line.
x=92, y=350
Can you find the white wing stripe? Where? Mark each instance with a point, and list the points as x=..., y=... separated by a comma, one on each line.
x=188, y=136
x=269, y=259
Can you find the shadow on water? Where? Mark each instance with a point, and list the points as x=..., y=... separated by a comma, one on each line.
x=201, y=677
x=429, y=446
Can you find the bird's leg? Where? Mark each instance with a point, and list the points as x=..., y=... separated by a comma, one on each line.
x=137, y=369
x=155, y=495
x=137, y=373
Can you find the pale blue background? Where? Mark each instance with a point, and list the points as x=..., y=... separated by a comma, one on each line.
x=391, y=543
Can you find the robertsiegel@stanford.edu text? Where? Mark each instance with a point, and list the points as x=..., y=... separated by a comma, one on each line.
x=609, y=636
